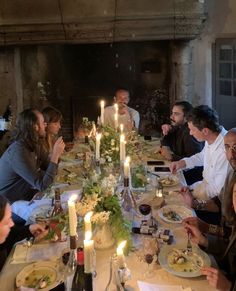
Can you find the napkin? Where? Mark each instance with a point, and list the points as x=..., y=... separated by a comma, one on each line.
x=19, y=255
x=143, y=286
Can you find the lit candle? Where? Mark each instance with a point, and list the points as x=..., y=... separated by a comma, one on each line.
x=98, y=138
x=116, y=120
x=122, y=148
x=116, y=108
x=102, y=111
x=88, y=252
x=126, y=167
x=158, y=193
x=121, y=128
x=72, y=215
x=87, y=221
x=120, y=254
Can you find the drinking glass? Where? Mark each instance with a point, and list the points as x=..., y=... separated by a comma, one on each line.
x=150, y=249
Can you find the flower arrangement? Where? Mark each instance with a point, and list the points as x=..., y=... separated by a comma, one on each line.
x=99, y=197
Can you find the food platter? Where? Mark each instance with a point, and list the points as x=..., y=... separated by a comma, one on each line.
x=177, y=261
x=169, y=181
x=175, y=213
x=44, y=273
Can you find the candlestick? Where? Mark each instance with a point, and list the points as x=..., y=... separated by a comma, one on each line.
x=120, y=254
x=87, y=221
x=72, y=215
x=126, y=167
x=98, y=138
x=102, y=112
x=122, y=148
x=88, y=252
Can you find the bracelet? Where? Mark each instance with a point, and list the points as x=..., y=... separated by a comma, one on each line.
x=199, y=204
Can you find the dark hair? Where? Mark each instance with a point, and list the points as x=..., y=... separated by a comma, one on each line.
x=51, y=114
x=24, y=129
x=185, y=105
x=3, y=204
x=228, y=209
x=121, y=89
x=204, y=117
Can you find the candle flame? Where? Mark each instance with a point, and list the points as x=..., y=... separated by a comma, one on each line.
x=122, y=137
x=121, y=127
x=116, y=106
x=127, y=160
x=73, y=198
x=102, y=103
x=88, y=235
x=121, y=245
x=88, y=216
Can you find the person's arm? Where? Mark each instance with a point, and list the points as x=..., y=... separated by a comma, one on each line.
x=196, y=160
x=25, y=165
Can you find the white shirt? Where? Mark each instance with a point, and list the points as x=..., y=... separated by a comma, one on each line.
x=215, y=167
x=124, y=119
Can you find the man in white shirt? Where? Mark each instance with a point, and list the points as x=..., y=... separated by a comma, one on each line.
x=127, y=116
x=204, y=125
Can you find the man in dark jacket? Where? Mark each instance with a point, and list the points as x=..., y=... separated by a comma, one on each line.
x=177, y=142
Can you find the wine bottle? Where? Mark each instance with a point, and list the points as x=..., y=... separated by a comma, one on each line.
x=57, y=203
x=78, y=283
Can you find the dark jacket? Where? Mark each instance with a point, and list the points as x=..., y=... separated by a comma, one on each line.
x=16, y=234
x=224, y=251
x=181, y=142
x=21, y=175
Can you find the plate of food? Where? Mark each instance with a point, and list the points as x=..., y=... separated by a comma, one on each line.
x=178, y=261
x=41, y=275
x=169, y=181
x=175, y=213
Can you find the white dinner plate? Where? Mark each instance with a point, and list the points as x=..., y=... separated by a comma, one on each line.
x=169, y=181
x=198, y=257
x=181, y=211
x=32, y=273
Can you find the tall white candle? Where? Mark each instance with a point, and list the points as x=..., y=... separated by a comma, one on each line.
x=116, y=120
x=120, y=254
x=126, y=167
x=116, y=108
x=72, y=216
x=102, y=111
x=87, y=221
x=98, y=138
x=88, y=252
x=121, y=128
x=122, y=148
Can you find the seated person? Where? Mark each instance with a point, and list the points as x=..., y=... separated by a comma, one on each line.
x=127, y=116
x=209, y=209
x=223, y=249
x=53, y=118
x=21, y=175
x=203, y=123
x=177, y=142
x=10, y=233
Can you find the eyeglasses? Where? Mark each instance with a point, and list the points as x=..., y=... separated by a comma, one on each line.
x=232, y=148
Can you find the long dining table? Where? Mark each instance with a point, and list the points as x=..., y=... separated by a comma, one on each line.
x=160, y=276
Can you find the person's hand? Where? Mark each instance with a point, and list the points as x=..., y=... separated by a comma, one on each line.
x=39, y=231
x=196, y=235
x=166, y=128
x=166, y=153
x=187, y=196
x=216, y=279
x=57, y=150
x=197, y=222
x=175, y=166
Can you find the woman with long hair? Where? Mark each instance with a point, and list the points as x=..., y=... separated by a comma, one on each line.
x=53, y=118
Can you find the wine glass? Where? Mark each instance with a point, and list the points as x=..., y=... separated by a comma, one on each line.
x=150, y=249
x=145, y=210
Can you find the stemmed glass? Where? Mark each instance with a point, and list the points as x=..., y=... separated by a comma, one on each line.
x=150, y=249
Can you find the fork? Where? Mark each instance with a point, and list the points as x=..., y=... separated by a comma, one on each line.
x=189, y=245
